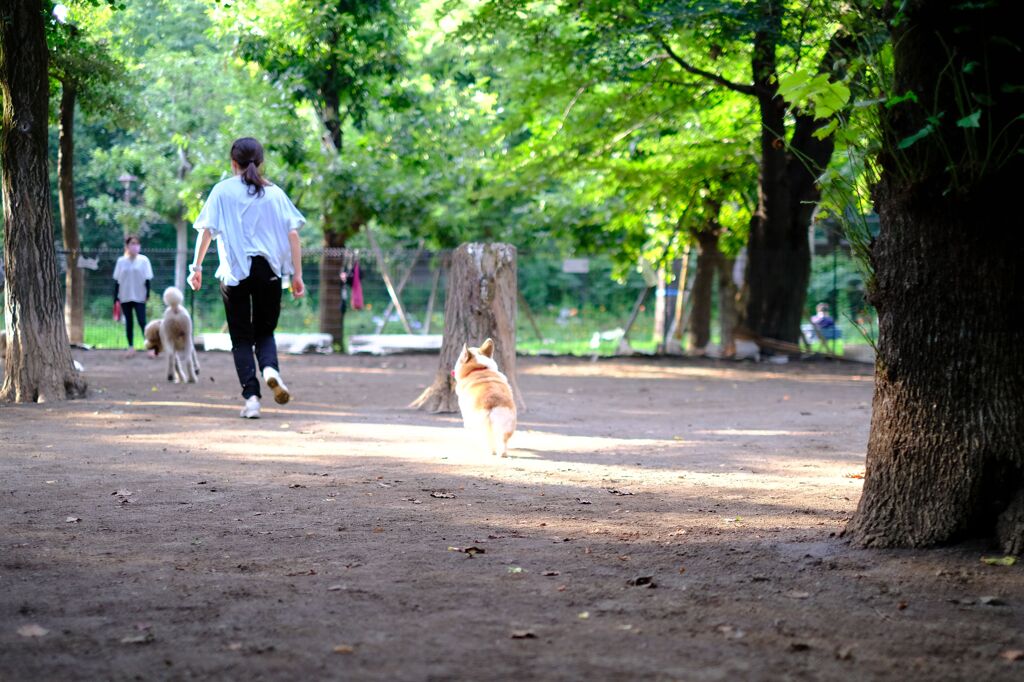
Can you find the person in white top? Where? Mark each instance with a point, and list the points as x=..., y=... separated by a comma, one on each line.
x=256, y=228
x=132, y=274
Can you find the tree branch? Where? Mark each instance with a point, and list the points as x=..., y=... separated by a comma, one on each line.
x=686, y=66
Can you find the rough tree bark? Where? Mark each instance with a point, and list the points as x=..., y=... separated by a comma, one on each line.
x=728, y=308
x=945, y=457
x=703, y=285
x=38, y=363
x=332, y=260
x=779, y=257
x=74, y=281
x=481, y=303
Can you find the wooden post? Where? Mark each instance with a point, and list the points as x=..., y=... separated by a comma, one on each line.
x=400, y=288
x=387, y=280
x=433, y=296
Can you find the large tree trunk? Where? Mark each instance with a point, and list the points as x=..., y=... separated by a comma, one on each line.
x=74, y=281
x=703, y=286
x=945, y=456
x=38, y=363
x=481, y=303
x=779, y=265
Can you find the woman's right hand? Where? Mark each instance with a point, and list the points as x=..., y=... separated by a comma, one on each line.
x=195, y=280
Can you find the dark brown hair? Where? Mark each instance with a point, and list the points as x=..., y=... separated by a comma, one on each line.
x=129, y=239
x=247, y=152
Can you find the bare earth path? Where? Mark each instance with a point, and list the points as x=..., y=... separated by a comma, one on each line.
x=155, y=535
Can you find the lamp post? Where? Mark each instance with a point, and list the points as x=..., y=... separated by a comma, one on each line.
x=126, y=181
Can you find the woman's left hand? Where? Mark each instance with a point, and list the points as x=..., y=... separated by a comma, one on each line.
x=298, y=286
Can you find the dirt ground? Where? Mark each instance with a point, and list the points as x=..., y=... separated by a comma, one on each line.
x=673, y=520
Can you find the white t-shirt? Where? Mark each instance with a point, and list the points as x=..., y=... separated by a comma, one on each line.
x=246, y=225
x=131, y=275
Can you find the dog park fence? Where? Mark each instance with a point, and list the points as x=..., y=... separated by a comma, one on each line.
x=566, y=306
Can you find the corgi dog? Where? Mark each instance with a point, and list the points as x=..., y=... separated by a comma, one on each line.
x=485, y=397
x=173, y=334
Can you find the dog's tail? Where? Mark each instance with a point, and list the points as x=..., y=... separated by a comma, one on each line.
x=501, y=422
x=173, y=297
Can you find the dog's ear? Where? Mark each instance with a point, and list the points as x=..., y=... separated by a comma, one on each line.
x=464, y=355
x=487, y=348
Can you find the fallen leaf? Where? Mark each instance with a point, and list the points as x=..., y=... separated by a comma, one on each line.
x=583, y=615
x=72, y=519
x=442, y=495
x=382, y=484
x=309, y=572
x=682, y=569
x=515, y=569
x=235, y=646
x=550, y=573
x=799, y=646
x=615, y=491
x=796, y=594
x=858, y=474
x=522, y=634
x=344, y=649
x=991, y=601
x=32, y=630
x=144, y=638
x=468, y=550
x=335, y=588
x=1012, y=655
x=583, y=500
x=296, y=485
x=642, y=581
x=999, y=561
x=845, y=653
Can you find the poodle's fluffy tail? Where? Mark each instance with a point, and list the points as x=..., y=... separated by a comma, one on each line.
x=173, y=297
x=501, y=423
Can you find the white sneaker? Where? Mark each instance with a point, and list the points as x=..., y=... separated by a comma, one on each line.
x=273, y=379
x=252, y=408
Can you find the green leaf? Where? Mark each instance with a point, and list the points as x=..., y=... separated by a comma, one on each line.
x=972, y=121
x=920, y=134
x=999, y=560
x=909, y=96
x=826, y=130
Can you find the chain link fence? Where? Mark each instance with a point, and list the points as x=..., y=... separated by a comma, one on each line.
x=569, y=306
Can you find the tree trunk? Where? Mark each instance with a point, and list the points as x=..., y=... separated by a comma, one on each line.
x=332, y=319
x=945, y=457
x=74, y=281
x=703, y=285
x=480, y=304
x=779, y=265
x=728, y=312
x=38, y=364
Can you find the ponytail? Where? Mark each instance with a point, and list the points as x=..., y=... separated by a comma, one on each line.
x=247, y=152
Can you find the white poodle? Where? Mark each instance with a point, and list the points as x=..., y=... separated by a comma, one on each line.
x=173, y=333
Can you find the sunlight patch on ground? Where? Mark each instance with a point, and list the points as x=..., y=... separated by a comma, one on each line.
x=760, y=432
x=606, y=370
x=559, y=458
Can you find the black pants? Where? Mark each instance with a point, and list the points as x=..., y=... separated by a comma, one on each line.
x=127, y=309
x=252, y=308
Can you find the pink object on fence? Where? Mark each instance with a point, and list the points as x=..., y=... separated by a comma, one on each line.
x=357, y=289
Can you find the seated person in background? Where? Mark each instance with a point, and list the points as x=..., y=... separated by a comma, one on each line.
x=824, y=325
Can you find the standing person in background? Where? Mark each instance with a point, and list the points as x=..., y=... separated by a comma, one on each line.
x=255, y=224
x=132, y=275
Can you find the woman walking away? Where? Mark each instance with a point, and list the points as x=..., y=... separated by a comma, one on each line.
x=132, y=274
x=255, y=224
